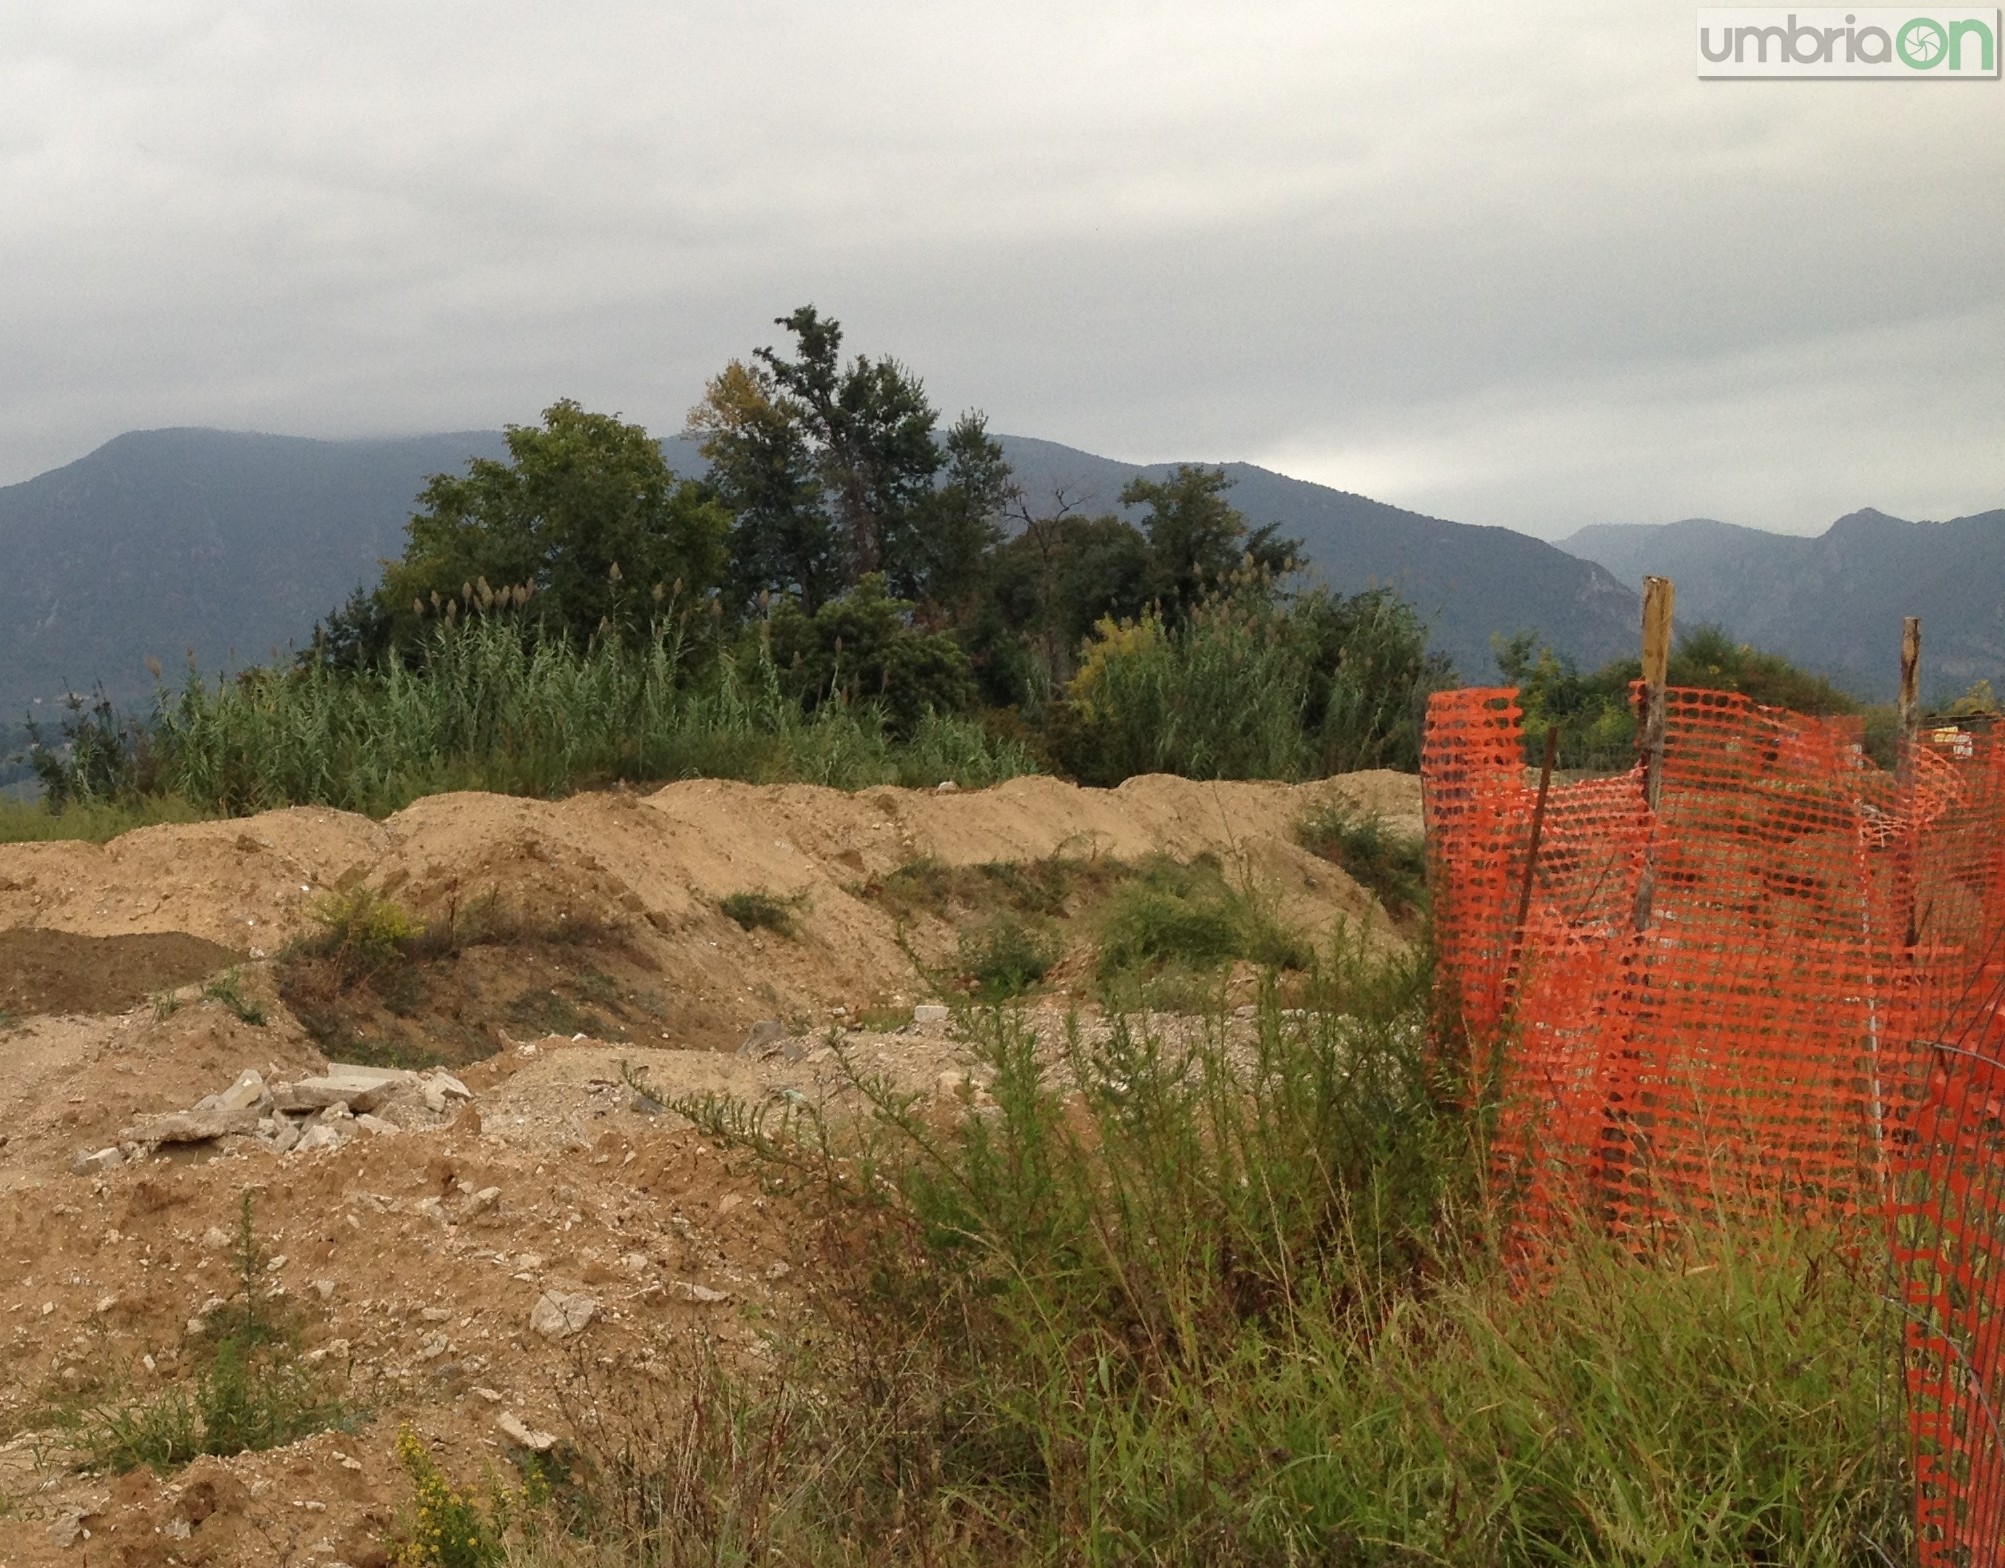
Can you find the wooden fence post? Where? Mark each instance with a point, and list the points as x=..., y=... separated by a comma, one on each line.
x=1904, y=776
x=1910, y=677
x=1659, y=594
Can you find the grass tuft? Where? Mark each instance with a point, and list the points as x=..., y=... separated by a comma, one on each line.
x=252, y=1393
x=1390, y=864
x=758, y=910
x=1006, y=955
x=1179, y=922
x=228, y=989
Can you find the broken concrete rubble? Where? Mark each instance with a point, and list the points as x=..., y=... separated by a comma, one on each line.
x=359, y=1088
x=557, y=1315
x=523, y=1435
x=191, y=1127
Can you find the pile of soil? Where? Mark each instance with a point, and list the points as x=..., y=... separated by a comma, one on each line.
x=64, y=972
x=650, y=873
x=418, y=1265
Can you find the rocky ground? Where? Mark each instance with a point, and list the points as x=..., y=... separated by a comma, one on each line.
x=459, y=1242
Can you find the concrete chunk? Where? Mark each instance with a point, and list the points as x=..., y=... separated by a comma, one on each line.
x=310, y=1094
x=763, y=1038
x=321, y=1135
x=246, y=1094
x=192, y=1127
x=356, y=1073
x=359, y=1088
x=441, y=1090
x=523, y=1435
x=559, y=1316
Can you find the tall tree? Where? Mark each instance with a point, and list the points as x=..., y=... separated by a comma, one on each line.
x=587, y=512
x=834, y=472
x=1198, y=539
x=870, y=426
x=938, y=550
x=783, y=539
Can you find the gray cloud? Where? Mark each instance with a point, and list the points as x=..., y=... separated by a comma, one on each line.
x=1510, y=265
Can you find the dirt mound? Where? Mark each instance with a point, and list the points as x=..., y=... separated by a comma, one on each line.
x=416, y=1262
x=656, y=869
x=62, y=972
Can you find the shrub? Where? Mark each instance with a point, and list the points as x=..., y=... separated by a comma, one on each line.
x=863, y=648
x=759, y=909
x=1006, y=955
x=1251, y=685
x=362, y=925
x=101, y=757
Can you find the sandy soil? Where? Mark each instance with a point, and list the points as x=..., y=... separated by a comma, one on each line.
x=411, y=1291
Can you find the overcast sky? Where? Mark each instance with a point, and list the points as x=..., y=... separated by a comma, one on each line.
x=1506, y=264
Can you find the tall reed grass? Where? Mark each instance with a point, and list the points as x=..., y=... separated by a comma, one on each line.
x=484, y=706
x=1252, y=685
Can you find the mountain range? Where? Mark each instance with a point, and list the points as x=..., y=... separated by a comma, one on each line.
x=227, y=547
x=1833, y=602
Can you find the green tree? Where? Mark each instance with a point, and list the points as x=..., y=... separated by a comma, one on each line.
x=863, y=648
x=834, y=472
x=586, y=513
x=870, y=427
x=938, y=552
x=1597, y=728
x=1198, y=540
x=1044, y=590
x=783, y=540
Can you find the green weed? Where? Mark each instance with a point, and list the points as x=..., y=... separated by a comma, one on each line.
x=484, y=704
x=94, y=821
x=402, y=1054
x=1390, y=864
x=228, y=989
x=1188, y=921
x=1006, y=955
x=1039, y=889
x=455, y=1526
x=1175, y=1301
x=252, y=1393
x=760, y=910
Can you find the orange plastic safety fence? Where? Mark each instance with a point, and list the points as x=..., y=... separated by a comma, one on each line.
x=1783, y=988
x=1947, y=1204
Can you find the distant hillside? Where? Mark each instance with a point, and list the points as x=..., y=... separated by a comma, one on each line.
x=233, y=545
x=165, y=540
x=1470, y=582
x=1834, y=603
